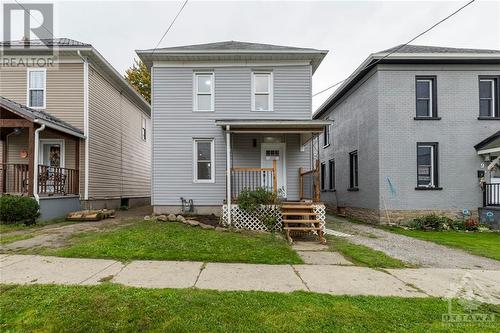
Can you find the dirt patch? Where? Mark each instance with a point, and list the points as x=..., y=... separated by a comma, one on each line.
x=205, y=219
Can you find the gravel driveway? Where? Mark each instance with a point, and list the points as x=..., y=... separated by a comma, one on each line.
x=411, y=250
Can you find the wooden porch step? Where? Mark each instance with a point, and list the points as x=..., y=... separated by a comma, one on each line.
x=300, y=221
x=297, y=207
x=303, y=228
x=299, y=214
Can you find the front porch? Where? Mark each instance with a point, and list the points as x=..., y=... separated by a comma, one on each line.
x=40, y=157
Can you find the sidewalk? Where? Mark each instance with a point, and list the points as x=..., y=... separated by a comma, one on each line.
x=331, y=279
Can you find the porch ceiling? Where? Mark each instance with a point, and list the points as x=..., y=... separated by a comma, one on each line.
x=273, y=126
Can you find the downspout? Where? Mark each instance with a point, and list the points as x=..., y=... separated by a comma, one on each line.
x=228, y=174
x=35, y=162
x=85, y=123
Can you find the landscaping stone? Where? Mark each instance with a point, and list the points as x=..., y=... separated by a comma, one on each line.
x=147, y=218
x=181, y=218
x=172, y=217
x=323, y=258
x=162, y=218
x=206, y=226
x=193, y=223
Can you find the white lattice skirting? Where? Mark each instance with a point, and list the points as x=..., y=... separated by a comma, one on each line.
x=255, y=221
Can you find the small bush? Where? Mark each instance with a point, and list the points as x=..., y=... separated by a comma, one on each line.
x=471, y=224
x=17, y=209
x=249, y=201
x=431, y=222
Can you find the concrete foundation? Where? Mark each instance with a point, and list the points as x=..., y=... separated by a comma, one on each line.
x=56, y=207
x=490, y=216
x=115, y=203
x=197, y=210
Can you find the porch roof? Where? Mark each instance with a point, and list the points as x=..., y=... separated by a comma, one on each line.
x=273, y=126
x=489, y=145
x=40, y=117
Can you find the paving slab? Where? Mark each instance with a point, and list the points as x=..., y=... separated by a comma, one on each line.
x=220, y=276
x=450, y=282
x=309, y=246
x=12, y=259
x=323, y=258
x=105, y=275
x=39, y=269
x=159, y=274
x=344, y=280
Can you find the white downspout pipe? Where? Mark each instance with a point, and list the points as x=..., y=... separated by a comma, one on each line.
x=85, y=123
x=35, y=162
x=228, y=174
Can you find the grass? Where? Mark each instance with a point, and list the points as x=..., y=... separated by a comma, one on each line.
x=113, y=308
x=151, y=240
x=486, y=244
x=361, y=255
x=6, y=228
x=13, y=238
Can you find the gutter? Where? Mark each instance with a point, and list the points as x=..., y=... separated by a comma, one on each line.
x=59, y=128
x=85, y=122
x=35, y=162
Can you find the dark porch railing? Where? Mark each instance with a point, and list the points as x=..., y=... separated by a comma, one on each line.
x=55, y=180
x=253, y=178
x=14, y=178
x=491, y=195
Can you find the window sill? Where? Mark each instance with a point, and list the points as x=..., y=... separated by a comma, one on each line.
x=261, y=110
x=326, y=146
x=428, y=188
x=488, y=118
x=427, y=118
x=353, y=189
x=328, y=190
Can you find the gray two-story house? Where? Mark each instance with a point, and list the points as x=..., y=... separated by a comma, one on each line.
x=415, y=131
x=229, y=116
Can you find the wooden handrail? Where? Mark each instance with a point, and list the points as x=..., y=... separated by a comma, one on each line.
x=14, y=178
x=57, y=180
x=314, y=189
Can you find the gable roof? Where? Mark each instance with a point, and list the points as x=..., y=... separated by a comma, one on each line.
x=40, y=117
x=489, y=140
x=232, y=51
x=66, y=46
x=410, y=54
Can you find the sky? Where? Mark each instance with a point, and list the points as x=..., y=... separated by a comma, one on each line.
x=350, y=30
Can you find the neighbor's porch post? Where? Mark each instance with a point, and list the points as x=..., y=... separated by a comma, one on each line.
x=31, y=159
x=228, y=174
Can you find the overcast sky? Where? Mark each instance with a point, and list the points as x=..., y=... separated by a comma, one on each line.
x=350, y=30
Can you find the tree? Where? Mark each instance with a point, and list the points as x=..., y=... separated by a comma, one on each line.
x=140, y=78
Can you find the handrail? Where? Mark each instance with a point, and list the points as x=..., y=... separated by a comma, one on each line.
x=57, y=180
x=253, y=178
x=14, y=178
x=491, y=195
x=309, y=184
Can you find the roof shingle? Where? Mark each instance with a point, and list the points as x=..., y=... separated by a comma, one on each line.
x=434, y=49
x=52, y=42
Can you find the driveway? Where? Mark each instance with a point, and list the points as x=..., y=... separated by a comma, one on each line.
x=411, y=250
x=54, y=235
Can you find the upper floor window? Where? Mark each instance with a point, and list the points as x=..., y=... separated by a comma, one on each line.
x=203, y=91
x=488, y=97
x=426, y=99
x=353, y=170
x=331, y=184
x=143, y=128
x=427, y=165
x=204, y=171
x=262, y=91
x=36, y=87
x=327, y=132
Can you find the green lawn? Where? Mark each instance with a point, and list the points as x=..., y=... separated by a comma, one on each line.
x=5, y=228
x=361, y=255
x=113, y=308
x=486, y=244
x=13, y=238
x=175, y=241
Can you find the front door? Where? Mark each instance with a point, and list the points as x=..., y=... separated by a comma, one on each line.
x=51, y=180
x=271, y=152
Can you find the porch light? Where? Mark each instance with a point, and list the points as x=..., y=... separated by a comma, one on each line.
x=18, y=130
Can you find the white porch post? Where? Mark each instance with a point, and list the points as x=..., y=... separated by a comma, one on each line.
x=228, y=174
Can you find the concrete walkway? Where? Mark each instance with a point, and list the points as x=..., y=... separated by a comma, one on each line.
x=331, y=279
x=409, y=249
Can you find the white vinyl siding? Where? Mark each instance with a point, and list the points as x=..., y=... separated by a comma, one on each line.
x=203, y=91
x=204, y=165
x=36, y=88
x=262, y=91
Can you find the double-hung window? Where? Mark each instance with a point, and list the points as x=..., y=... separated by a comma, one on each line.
x=262, y=91
x=426, y=99
x=203, y=91
x=353, y=170
x=331, y=183
x=327, y=132
x=36, y=88
x=143, y=129
x=427, y=165
x=323, y=175
x=204, y=167
x=488, y=97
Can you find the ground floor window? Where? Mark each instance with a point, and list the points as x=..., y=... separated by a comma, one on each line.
x=331, y=183
x=353, y=169
x=427, y=163
x=204, y=168
x=323, y=175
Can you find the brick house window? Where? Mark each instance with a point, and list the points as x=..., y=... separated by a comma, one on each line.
x=353, y=170
x=427, y=165
x=426, y=97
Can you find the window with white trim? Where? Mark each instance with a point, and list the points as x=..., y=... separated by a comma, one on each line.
x=331, y=184
x=262, y=91
x=322, y=175
x=488, y=98
x=327, y=133
x=426, y=97
x=353, y=170
x=204, y=168
x=203, y=91
x=143, y=128
x=427, y=161
x=36, y=88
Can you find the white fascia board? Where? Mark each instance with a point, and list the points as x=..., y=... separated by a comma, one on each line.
x=206, y=64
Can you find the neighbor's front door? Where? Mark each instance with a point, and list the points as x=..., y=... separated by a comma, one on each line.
x=271, y=152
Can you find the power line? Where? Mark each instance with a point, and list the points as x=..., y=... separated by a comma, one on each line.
x=171, y=24
x=29, y=13
x=400, y=46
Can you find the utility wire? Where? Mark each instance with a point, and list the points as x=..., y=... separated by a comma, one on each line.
x=400, y=46
x=29, y=13
x=170, y=26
